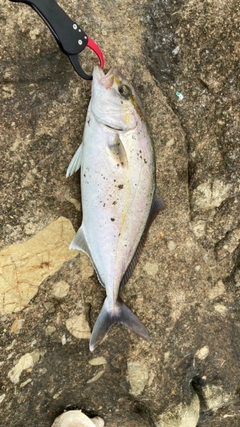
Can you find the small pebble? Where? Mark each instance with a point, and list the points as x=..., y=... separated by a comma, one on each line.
x=221, y=309
x=96, y=377
x=217, y=290
x=49, y=330
x=64, y=340
x=16, y=326
x=78, y=326
x=97, y=361
x=151, y=268
x=176, y=50
x=60, y=289
x=171, y=245
x=26, y=362
x=137, y=375
x=2, y=397
x=202, y=353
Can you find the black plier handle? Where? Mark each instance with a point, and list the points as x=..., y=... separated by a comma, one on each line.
x=70, y=37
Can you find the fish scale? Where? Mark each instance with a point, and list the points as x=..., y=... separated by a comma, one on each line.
x=118, y=191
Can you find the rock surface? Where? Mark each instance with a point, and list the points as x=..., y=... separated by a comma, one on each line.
x=186, y=286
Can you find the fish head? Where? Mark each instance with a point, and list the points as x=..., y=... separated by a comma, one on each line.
x=114, y=101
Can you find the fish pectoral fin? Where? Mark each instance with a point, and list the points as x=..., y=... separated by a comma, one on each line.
x=75, y=163
x=79, y=242
x=120, y=314
x=118, y=152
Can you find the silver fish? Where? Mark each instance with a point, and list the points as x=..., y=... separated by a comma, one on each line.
x=118, y=191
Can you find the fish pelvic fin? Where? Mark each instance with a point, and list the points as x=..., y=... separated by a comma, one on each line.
x=119, y=314
x=75, y=163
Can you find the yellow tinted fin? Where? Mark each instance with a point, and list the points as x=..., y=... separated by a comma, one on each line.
x=118, y=152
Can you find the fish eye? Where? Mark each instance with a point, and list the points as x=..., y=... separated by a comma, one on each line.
x=124, y=91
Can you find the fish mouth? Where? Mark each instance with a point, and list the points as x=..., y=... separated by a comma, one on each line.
x=98, y=72
x=107, y=80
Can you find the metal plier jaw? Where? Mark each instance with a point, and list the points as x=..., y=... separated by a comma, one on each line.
x=70, y=37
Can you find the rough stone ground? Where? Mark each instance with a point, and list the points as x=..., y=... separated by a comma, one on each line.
x=186, y=286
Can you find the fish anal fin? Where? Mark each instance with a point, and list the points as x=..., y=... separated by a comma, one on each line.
x=75, y=163
x=157, y=206
x=119, y=314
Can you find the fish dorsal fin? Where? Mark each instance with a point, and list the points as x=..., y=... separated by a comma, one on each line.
x=79, y=242
x=75, y=163
x=157, y=206
x=118, y=152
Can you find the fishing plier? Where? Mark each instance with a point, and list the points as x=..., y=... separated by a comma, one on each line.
x=70, y=37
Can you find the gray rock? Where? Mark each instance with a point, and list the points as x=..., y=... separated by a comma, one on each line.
x=185, y=287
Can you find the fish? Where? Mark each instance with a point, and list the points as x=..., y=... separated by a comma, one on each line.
x=119, y=197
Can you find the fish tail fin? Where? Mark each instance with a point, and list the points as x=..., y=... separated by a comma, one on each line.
x=119, y=314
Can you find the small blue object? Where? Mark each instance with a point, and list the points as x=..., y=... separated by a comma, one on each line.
x=179, y=95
